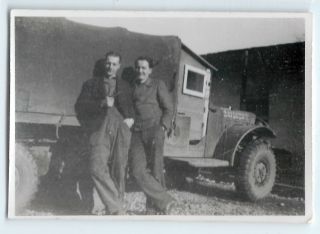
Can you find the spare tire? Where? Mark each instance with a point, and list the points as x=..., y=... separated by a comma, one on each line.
x=256, y=170
x=26, y=178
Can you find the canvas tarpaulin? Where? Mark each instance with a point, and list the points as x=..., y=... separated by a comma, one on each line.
x=54, y=56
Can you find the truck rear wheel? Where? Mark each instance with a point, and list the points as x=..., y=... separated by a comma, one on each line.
x=256, y=171
x=26, y=177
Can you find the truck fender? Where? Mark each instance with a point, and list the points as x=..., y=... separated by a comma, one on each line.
x=231, y=139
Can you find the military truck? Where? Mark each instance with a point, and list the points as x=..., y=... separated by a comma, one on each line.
x=54, y=56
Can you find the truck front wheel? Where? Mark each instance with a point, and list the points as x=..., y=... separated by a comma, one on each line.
x=26, y=177
x=256, y=170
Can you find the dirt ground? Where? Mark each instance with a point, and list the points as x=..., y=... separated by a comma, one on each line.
x=203, y=197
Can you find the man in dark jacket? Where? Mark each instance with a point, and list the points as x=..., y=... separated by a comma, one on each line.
x=153, y=116
x=105, y=111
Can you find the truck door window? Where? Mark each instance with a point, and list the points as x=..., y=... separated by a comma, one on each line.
x=194, y=81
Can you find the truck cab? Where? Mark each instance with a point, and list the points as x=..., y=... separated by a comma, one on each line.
x=213, y=137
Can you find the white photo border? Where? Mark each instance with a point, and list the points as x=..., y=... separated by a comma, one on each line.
x=309, y=160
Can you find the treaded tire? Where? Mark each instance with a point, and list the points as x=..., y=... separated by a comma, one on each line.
x=26, y=178
x=256, y=171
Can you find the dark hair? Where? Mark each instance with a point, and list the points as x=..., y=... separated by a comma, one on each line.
x=144, y=58
x=113, y=54
x=99, y=67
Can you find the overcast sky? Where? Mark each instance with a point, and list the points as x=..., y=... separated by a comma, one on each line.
x=207, y=35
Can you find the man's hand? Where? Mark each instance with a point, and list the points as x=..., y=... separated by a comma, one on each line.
x=168, y=132
x=129, y=122
x=107, y=102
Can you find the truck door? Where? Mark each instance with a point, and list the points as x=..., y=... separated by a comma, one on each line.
x=191, y=110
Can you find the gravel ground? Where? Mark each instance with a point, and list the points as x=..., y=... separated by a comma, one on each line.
x=200, y=198
x=196, y=204
x=221, y=199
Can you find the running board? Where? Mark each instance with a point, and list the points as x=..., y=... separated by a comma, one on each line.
x=202, y=162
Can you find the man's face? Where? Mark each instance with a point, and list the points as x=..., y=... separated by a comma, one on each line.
x=143, y=70
x=112, y=66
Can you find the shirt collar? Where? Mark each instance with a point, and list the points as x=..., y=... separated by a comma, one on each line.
x=110, y=78
x=148, y=82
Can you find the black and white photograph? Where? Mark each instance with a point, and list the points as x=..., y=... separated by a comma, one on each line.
x=161, y=115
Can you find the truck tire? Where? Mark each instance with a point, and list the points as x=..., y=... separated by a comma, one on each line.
x=26, y=177
x=256, y=171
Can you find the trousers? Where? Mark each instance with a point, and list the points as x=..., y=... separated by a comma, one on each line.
x=109, y=147
x=146, y=152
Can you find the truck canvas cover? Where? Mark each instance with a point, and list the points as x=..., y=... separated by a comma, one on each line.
x=54, y=56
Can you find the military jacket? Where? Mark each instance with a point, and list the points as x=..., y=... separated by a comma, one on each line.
x=88, y=108
x=152, y=104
